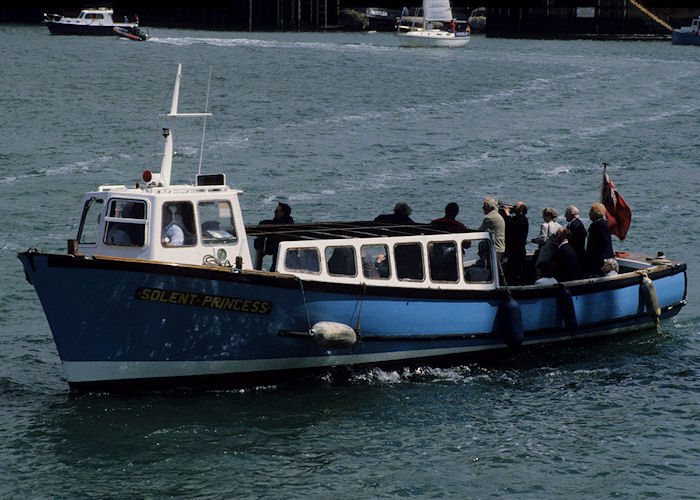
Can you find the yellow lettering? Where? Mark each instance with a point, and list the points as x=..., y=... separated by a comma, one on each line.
x=198, y=300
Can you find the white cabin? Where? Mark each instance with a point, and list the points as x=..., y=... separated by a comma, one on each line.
x=130, y=222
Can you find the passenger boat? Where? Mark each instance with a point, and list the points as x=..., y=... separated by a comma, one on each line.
x=133, y=305
x=136, y=34
x=436, y=28
x=97, y=21
x=687, y=35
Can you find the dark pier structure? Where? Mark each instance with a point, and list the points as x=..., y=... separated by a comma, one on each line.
x=597, y=19
x=525, y=19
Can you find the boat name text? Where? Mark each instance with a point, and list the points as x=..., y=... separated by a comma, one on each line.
x=201, y=300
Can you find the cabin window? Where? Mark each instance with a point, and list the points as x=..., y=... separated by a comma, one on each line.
x=89, y=230
x=126, y=223
x=442, y=259
x=303, y=260
x=375, y=261
x=341, y=261
x=177, y=227
x=409, y=261
x=476, y=258
x=216, y=222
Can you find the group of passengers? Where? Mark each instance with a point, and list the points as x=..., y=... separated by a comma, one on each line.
x=564, y=253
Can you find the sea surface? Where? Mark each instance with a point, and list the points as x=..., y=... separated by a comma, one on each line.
x=342, y=126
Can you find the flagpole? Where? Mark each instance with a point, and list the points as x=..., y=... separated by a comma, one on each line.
x=602, y=187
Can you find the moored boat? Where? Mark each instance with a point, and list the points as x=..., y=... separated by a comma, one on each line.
x=136, y=303
x=94, y=21
x=436, y=28
x=687, y=35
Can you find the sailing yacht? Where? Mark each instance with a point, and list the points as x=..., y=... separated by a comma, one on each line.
x=436, y=28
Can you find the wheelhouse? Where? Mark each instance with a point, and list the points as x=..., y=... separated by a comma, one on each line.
x=126, y=222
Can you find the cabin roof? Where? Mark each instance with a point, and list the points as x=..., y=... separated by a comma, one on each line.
x=347, y=230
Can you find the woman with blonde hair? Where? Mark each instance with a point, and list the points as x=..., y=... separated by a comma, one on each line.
x=599, y=244
x=545, y=240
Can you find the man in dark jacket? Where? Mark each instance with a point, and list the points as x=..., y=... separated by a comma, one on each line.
x=566, y=267
x=517, y=227
x=599, y=245
x=578, y=234
x=267, y=245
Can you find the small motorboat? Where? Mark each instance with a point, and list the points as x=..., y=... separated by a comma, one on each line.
x=97, y=21
x=687, y=35
x=132, y=33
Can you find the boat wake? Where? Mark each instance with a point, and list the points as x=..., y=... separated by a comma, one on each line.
x=268, y=44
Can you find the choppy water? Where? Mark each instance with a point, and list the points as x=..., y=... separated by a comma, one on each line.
x=342, y=126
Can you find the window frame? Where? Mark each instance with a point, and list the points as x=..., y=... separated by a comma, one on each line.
x=301, y=270
x=456, y=260
x=126, y=220
x=219, y=241
x=421, y=260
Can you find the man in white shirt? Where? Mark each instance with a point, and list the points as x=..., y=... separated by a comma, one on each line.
x=173, y=235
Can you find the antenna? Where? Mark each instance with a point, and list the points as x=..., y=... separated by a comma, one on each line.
x=204, y=127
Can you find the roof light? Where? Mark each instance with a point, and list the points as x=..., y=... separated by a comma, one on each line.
x=147, y=176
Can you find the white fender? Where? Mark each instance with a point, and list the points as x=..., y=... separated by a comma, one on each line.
x=332, y=335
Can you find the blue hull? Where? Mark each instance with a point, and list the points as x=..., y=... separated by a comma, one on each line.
x=119, y=323
x=678, y=38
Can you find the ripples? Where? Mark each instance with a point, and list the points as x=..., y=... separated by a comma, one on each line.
x=343, y=126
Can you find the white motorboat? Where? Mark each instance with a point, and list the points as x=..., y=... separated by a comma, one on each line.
x=97, y=21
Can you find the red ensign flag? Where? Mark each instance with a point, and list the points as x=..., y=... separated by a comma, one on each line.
x=618, y=214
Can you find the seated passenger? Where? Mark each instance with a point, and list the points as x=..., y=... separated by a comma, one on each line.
x=450, y=219
x=342, y=261
x=374, y=268
x=400, y=215
x=118, y=236
x=611, y=267
x=267, y=245
x=544, y=274
x=481, y=270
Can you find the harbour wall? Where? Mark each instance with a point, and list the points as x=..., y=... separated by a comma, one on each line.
x=544, y=18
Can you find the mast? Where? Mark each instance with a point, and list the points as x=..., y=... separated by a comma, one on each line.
x=167, y=163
